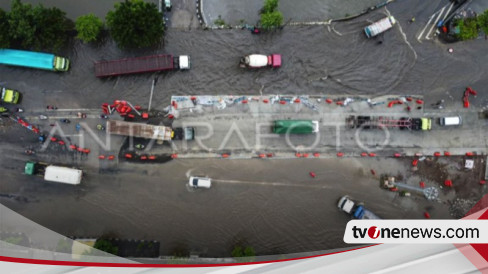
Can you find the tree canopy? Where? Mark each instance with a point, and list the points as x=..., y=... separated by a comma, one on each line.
x=88, y=27
x=135, y=24
x=4, y=28
x=269, y=6
x=483, y=21
x=37, y=27
x=271, y=19
x=106, y=245
x=270, y=16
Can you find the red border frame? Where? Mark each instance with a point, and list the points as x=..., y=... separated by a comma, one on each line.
x=142, y=265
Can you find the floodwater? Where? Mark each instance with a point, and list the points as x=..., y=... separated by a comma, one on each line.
x=274, y=205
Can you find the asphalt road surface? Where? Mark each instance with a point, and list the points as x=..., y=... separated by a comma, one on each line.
x=275, y=206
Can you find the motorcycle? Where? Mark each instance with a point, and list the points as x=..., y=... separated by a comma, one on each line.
x=81, y=115
x=66, y=121
x=103, y=116
x=43, y=117
x=140, y=146
x=30, y=152
x=100, y=127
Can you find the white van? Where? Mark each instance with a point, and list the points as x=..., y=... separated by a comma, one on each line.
x=450, y=121
x=200, y=182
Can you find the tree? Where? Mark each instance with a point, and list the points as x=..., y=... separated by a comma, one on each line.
x=483, y=21
x=269, y=6
x=135, y=24
x=88, y=27
x=239, y=251
x=271, y=20
x=4, y=27
x=106, y=245
x=37, y=27
x=468, y=28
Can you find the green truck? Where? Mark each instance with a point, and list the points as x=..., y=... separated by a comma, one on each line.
x=295, y=127
x=10, y=96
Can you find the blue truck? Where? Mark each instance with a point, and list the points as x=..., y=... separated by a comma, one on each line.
x=31, y=59
x=357, y=211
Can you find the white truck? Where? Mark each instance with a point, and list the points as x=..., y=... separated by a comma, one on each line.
x=379, y=26
x=57, y=174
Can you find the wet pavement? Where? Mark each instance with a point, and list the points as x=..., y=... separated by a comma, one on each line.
x=251, y=199
x=239, y=12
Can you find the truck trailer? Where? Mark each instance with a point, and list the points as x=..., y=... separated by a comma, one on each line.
x=295, y=126
x=379, y=26
x=142, y=64
x=161, y=133
x=373, y=122
x=31, y=59
x=51, y=173
x=357, y=211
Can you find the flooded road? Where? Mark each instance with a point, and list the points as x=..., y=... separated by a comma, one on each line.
x=274, y=205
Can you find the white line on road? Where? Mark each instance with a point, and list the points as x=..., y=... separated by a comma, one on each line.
x=426, y=25
x=435, y=23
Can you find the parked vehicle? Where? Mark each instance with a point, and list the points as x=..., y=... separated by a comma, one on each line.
x=31, y=59
x=259, y=61
x=450, y=121
x=379, y=26
x=53, y=173
x=295, y=126
x=357, y=211
x=186, y=133
x=10, y=96
x=146, y=131
x=142, y=64
x=200, y=182
x=373, y=122
x=167, y=5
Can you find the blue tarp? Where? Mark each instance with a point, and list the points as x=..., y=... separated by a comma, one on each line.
x=27, y=59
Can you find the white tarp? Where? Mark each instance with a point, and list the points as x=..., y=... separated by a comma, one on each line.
x=63, y=175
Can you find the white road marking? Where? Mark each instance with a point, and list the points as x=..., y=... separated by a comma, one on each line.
x=435, y=23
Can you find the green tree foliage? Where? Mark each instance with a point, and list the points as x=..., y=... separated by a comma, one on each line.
x=88, y=27
x=135, y=24
x=271, y=20
x=38, y=27
x=4, y=27
x=239, y=251
x=483, y=22
x=269, y=6
x=106, y=245
x=468, y=28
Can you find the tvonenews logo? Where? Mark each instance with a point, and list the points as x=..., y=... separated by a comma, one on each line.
x=416, y=231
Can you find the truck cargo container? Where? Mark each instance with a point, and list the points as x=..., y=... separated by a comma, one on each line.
x=33, y=59
x=295, y=126
x=162, y=133
x=379, y=26
x=51, y=173
x=142, y=64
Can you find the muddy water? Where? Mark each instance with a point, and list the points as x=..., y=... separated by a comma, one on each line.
x=274, y=206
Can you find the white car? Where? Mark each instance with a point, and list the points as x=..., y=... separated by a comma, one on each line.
x=200, y=182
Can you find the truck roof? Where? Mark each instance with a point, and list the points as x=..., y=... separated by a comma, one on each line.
x=134, y=65
x=295, y=126
x=139, y=130
x=63, y=175
x=27, y=58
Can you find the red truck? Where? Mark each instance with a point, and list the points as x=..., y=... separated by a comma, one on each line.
x=141, y=64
